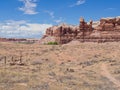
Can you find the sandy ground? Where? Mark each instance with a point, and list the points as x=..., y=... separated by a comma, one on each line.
x=81, y=66
x=106, y=73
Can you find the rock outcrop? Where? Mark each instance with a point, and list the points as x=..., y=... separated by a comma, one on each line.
x=105, y=30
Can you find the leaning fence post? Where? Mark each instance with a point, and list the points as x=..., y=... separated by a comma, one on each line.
x=12, y=60
x=5, y=60
x=21, y=57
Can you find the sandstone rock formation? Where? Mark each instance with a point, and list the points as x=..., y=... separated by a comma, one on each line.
x=105, y=30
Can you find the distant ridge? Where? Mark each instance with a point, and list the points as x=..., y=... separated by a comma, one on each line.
x=17, y=40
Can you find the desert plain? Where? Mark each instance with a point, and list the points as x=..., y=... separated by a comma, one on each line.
x=72, y=66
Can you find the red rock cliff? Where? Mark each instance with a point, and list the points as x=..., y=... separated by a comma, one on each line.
x=105, y=30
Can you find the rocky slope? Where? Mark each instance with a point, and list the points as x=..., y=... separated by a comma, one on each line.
x=105, y=30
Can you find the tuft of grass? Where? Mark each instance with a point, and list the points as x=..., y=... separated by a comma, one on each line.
x=52, y=43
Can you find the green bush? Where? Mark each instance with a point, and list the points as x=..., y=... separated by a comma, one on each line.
x=52, y=43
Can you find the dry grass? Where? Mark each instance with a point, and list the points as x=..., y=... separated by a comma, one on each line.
x=59, y=67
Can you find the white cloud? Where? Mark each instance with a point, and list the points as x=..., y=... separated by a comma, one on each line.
x=50, y=13
x=79, y=2
x=29, y=7
x=56, y=20
x=22, y=29
x=110, y=9
x=59, y=20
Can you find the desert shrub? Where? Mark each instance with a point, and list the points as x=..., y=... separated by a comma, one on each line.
x=52, y=43
x=36, y=62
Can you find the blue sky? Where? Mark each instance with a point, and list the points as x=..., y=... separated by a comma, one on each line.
x=30, y=18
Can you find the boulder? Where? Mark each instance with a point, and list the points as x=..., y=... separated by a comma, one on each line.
x=95, y=24
x=81, y=20
x=118, y=21
x=109, y=25
x=108, y=20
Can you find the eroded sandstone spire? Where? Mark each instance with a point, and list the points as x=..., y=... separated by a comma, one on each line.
x=105, y=30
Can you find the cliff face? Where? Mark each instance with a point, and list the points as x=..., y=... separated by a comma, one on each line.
x=105, y=30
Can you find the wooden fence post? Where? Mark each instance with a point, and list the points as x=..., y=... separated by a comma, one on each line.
x=5, y=60
x=20, y=57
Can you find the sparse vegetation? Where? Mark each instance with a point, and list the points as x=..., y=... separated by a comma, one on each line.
x=52, y=43
x=65, y=67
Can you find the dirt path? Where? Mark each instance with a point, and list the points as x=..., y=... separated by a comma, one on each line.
x=105, y=72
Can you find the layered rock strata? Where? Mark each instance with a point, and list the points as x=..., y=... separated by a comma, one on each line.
x=105, y=30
